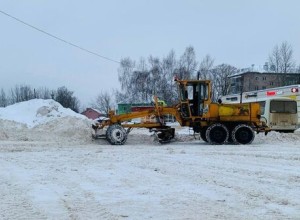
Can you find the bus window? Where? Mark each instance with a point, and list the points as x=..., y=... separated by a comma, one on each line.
x=291, y=107
x=262, y=107
x=232, y=98
x=283, y=107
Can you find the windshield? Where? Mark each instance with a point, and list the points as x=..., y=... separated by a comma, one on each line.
x=194, y=91
x=283, y=107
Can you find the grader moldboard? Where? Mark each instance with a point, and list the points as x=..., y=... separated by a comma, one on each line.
x=215, y=122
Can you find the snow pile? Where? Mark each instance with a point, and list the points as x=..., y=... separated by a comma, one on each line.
x=274, y=137
x=43, y=120
x=36, y=111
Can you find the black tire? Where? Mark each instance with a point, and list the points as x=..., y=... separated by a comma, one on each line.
x=116, y=134
x=243, y=134
x=217, y=134
x=203, y=134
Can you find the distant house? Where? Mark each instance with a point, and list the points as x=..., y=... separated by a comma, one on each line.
x=92, y=113
x=124, y=108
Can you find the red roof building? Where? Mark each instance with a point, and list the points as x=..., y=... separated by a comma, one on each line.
x=92, y=113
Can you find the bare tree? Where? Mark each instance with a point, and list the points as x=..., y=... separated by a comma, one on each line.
x=125, y=71
x=298, y=69
x=121, y=97
x=187, y=64
x=3, y=99
x=205, y=68
x=169, y=65
x=155, y=70
x=275, y=59
x=26, y=93
x=103, y=102
x=281, y=58
x=287, y=62
x=43, y=93
x=66, y=99
x=154, y=76
x=21, y=93
x=221, y=82
x=140, y=86
x=127, y=74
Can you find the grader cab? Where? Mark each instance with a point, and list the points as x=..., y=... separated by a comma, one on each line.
x=215, y=122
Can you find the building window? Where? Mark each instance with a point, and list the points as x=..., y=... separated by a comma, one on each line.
x=271, y=83
x=263, y=87
x=264, y=77
x=256, y=88
x=256, y=78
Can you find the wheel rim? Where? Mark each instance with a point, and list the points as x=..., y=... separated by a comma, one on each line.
x=117, y=135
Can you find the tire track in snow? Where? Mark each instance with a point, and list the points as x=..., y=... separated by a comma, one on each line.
x=15, y=203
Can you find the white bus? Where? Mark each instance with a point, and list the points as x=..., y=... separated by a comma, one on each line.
x=281, y=113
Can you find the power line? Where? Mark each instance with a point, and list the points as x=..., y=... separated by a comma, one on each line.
x=58, y=38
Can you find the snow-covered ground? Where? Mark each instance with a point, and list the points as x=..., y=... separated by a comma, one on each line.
x=50, y=168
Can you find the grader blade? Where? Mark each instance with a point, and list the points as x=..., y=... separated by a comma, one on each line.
x=165, y=135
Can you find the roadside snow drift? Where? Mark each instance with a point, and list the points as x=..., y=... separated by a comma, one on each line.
x=36, y=111
x=43, y=120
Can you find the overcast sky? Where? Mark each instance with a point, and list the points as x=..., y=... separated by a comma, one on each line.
x=236, y=32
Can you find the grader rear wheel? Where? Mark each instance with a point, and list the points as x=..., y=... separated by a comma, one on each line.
x=116, y=134
x=242, y=134
x=217, y=134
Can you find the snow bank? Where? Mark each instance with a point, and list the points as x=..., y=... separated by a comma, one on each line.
x=36, y=111
x=43, y=120
x=274, y=137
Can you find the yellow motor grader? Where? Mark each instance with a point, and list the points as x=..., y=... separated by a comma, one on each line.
x=216, y=123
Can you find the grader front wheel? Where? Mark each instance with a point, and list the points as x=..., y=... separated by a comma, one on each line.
x=116, y=134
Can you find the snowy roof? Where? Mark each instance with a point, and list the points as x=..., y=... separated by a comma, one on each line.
x=94, y=109
x=254, y=68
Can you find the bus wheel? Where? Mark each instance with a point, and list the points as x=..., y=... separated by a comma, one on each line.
x=243, y=134
x=217, y=134
x=116, y=134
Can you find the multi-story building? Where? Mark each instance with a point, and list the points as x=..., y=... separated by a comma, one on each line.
x=251, y=81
